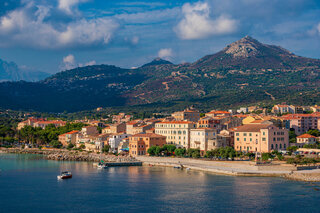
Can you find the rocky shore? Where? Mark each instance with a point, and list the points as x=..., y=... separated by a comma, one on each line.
x=66, y=155
x=308, y=176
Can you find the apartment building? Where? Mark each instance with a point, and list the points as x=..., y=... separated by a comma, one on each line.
x=176, y=132
x=136, y=127
x=115, y=139
x=204, y=139
x=301, y=123
x=306, y=139
x=260, y=138
x=114, y=128
x=140, y=143
x=187, y=115
x=283, y=108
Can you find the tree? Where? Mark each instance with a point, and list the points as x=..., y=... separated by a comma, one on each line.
x=106, y=149
x=152, y=150
x=82, y=146
x=70, y=146
x=180, y=152
x=292, y=148
x=56, y=144
x=158, y=151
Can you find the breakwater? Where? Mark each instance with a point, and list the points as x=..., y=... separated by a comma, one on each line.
x=72, y=155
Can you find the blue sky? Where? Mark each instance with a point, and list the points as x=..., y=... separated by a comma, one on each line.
x=54, y=35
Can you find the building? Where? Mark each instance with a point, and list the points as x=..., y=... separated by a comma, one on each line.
x=115, y=139
x=69, y=137
x=260, y=138
x=89, y=130
x=204, y=139
x=135, y=127
x=282, y=109
x=140, y=143
x=315, y=108
x=187, y=115
x=301, y=123
x=176, y=132
x=243, y=110
x=216, y=113
x=306, y=139
x=40, y=122
x=114, y=128
x=121, y=118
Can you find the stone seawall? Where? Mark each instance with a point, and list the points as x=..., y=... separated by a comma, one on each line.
x=66, y=155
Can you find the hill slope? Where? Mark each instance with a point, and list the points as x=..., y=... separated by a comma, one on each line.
x=244, y=72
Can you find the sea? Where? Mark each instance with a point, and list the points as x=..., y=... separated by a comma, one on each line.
x=28, y=183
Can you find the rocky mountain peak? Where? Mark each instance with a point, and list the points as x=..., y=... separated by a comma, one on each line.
x=245, y=47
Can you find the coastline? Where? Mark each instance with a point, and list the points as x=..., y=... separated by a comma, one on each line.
x=72, y=155
x=233, y=168
x=236, y=168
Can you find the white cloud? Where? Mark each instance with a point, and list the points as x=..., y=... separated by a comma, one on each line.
x=197, y=23
x=165, y=53
x=69, y=62
x=67, y=5
x=26, y=26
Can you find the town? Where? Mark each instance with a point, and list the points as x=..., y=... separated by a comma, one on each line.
x=250, y=131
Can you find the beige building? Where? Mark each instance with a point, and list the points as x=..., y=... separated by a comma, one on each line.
x=89, y=130
x=260, y=138
x=114, y=128
x=136, y=127
x=140, y=143
x=69, y=137
x=176, y=132
x=204, y=139
x=306, y=139
x=187, y=115
x=40, y=122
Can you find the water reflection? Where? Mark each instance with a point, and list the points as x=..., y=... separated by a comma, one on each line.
x=142, y=189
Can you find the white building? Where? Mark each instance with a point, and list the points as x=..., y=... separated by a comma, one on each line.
x=115, y=139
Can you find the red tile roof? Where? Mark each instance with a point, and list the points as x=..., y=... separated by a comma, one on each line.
x=306, y=136
x=148, y=135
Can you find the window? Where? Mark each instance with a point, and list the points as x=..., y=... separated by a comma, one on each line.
x=237, y=134
x=263, y=139
x=250, y=134
x=237, y=139
x=244, y=134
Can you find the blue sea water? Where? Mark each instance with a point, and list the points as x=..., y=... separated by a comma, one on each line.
x=29, y=184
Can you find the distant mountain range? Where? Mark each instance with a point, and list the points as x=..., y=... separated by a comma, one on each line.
x=9, y=71
x=244, y=72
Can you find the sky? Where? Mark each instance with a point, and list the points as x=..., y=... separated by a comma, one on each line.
x=55, y=35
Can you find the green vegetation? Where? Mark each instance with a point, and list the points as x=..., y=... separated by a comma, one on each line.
x=106, y=149
x=46, y=136
x=303, y=161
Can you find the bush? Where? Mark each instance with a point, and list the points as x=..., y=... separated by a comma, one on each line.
x=56, y=144
x=82, y=146
x=106, y=148
x=70, y=146
x=180, y=152
x=152, y=150
x=266, y=156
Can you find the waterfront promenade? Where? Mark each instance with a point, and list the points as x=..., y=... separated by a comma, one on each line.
x=235, y=168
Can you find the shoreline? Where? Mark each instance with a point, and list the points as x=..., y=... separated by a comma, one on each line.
x=236, y=168
x=230, y=168
x=72, y=155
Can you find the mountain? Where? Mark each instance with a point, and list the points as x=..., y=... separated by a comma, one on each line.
x=157, y=61
x=244, y=72
x=9, y=71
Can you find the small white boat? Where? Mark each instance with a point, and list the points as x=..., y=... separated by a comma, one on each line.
x=102, y=166
x=64, y=175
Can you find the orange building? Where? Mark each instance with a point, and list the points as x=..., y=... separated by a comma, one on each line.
x=140, y=143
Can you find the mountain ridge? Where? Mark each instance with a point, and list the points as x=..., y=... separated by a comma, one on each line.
x=243, y=72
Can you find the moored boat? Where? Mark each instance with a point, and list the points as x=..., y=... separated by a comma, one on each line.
x=102, y=166
x=64, y=175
